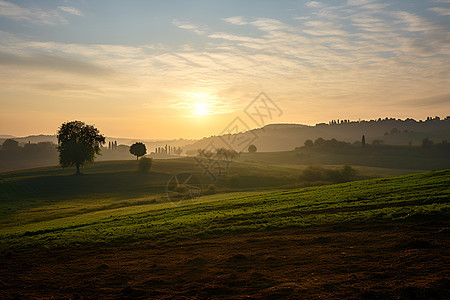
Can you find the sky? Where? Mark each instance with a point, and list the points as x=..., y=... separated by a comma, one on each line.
x=188, y=69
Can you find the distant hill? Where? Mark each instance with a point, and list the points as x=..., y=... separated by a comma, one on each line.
x=31, y=138
x=285, y=137
x=151, y=145
x=40, y=150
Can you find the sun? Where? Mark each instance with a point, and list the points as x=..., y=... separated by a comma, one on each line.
x=201, y=109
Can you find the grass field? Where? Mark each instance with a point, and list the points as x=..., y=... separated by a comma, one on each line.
x=112, y=202
x=113, y=233
x=386, y=156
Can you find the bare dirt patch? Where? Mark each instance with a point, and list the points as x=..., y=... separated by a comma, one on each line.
x=378, y=261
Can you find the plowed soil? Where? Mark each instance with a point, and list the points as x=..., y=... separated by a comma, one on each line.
x=377, y=261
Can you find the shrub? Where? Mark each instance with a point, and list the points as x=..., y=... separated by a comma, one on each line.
x=348, y=172
x=145, y=164
x=312, y=173
x=211, y=189
x=309, y=143
x=181, y=188
x=426, y=143
x=319, y=174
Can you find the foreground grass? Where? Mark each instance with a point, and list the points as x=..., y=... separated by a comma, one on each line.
x=423, y=196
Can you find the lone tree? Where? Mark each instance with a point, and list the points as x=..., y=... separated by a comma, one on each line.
x=252, y=148
x=426, y=143
x=309, y=143
x=78, y=144
x=138, y=149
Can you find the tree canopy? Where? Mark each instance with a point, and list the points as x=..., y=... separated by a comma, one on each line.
x=252, y=148
x=138, y=149
x=78, y=144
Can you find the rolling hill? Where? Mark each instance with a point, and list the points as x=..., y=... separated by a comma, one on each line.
x=113, y=233
x=107, y=206
x=285, y=137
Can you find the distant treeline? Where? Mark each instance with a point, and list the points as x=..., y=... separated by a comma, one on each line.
x=380, y=120
x=427, y=156
x=321, y=143
x=13, y=156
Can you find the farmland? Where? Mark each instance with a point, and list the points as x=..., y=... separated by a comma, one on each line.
x=238, y=234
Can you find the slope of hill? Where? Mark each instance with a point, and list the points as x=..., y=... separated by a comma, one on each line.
x=151, y=144
x=270, y=138
x=381, y=238
x=284, y=137
x=6, y=136
x=405, y=197
x=331, y=152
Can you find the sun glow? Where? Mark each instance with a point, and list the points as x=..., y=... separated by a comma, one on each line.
x=201, y=109
x=200, y=102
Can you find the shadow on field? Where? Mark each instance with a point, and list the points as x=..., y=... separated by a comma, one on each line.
x=61, y=187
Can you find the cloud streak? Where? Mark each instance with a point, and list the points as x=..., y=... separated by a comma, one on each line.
x=440, y=10
x=352, y=53
x=71, y=10
x=36, y=15
x=43, y=61
x=188, y=26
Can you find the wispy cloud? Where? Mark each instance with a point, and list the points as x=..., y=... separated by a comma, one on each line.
x=314, y=4
x=43, y=61
x=352, y=51
x=267, y=24
x=321, y=28
x=188, y=26
x=358, y=2
x=237, y=20
x=71, y=10
x=440, y=10
x=33, y=15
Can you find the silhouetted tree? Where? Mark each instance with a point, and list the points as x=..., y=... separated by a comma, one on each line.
x=78, y=144
x=394, y=131
x=426, y=142
x=178, y=151
x=319, y=141
x=252, y=148
x=10, y=144
x=138, y=149
x=309, y=143
x=227, y=155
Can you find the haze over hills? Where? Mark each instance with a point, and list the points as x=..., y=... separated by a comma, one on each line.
x=284, y=137
x=120, y=141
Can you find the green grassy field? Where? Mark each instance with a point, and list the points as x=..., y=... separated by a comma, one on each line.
x=385, y=156
x=111, y=202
